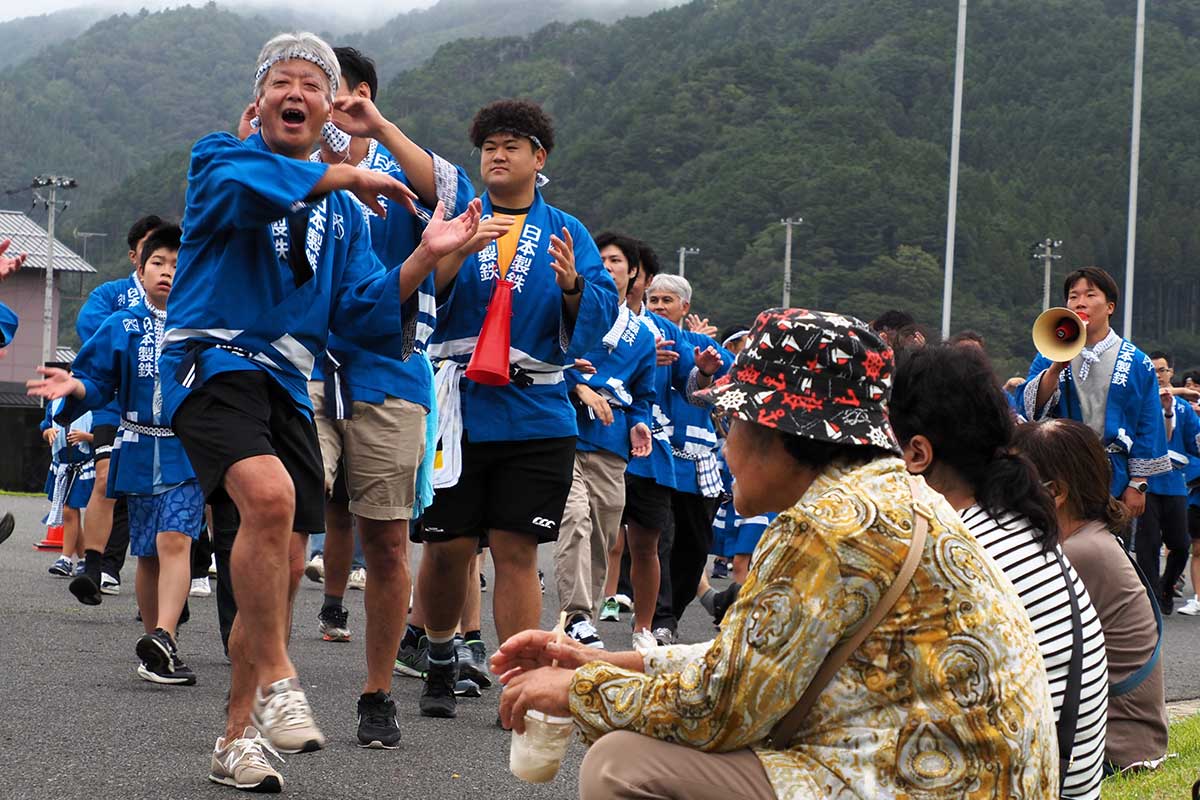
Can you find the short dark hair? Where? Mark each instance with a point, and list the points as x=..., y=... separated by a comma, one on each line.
x=966, y=336
x=1163, y=355
x=1192, y=375
x=356, y=69
x=892, y=320
x=520, y=117
x=139, y=229
x=949, y=395
x=1069, y=453
x=649, y=261
x=816, y=454
x=165, y=237
x=1095, y=277
x=731, y=330
x=626, y=244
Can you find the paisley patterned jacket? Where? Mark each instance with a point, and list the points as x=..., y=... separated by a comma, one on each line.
x=947, y=698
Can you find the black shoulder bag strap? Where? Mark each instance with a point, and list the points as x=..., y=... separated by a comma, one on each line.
x=1068, y=715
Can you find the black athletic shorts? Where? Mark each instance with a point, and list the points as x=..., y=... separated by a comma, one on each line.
x=103, y=437
x=517, y=486
x=1194, y=522
x=647, y=503
x=238, y=415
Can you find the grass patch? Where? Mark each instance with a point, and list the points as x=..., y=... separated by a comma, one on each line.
x=4, y=493
x=1173, y=779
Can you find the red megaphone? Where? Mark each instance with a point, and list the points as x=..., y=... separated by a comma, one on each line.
x=489, y=362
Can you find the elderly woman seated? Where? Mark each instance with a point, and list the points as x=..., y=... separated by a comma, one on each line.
x=1072, y=463
x=945, y=698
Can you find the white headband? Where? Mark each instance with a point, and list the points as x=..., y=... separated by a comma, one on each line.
x=304, y=55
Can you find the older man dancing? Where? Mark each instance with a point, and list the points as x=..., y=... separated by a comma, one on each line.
x=268, y=228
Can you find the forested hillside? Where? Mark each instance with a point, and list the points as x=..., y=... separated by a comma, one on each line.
x=705, y=124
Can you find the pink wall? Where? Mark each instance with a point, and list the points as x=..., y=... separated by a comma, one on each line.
x=24, y=293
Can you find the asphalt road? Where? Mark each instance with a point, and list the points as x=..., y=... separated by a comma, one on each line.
x=79, y=723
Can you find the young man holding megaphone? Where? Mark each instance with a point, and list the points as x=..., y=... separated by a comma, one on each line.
x=1103, y=381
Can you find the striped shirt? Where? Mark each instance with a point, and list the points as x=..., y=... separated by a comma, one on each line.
x=1039, y=582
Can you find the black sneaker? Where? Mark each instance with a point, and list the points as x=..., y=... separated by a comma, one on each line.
x=437, y=698
x=581, y=629
x=377, y=726
x=335, y=624
x=723, y=600
x=160, y=662
x=465, y=687
x=469, y=668
x=8, y=524
x=86, y=590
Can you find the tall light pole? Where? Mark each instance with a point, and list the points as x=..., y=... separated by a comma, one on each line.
x=787, y=259
x=1135, y=145
x=1044, y=251
x=51, y=183
x=955, y=136
x=684, y=252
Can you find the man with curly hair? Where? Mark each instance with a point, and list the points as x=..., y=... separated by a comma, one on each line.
x=507, y=451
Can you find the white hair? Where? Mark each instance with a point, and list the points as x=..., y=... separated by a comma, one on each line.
x=673, y=284
x=302, y=45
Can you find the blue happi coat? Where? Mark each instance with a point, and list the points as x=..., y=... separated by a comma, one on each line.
x=659, y=466
x=625, y=367
x=534, y=404
x=266, y=271
x=8, y=325
x=102, y=302
x=692, y=433
x=119, y=361
x=62, y=451
x=369, y=376
x=1134, y=436
x=1183, y=445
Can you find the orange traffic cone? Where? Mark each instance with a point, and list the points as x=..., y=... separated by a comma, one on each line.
x=489, y=362
x=53, y=540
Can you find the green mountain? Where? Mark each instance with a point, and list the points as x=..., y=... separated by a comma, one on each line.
x=26, y=36
x=704, y=125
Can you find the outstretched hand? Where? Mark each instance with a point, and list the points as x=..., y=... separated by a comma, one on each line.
x=442, y=236
x=640, y=440
x=10, y=264
x=53, y=384
x=489, y=230
x=708, y=361
x=531, y=649
x=368, y=185
x=664, y=355
x=244, y=129
x=696, y=325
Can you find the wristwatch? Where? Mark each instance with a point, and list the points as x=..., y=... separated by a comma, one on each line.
x=578, y=286
x=1140, y=485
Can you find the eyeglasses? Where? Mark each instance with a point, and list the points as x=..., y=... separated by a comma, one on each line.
x=1163, y=369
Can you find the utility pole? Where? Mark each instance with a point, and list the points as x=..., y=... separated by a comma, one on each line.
x=51, y=183
x=1047, y=256
x=1135, y=144
x=787, y=259
x=684, y=252
x=955, y=137
x=85, y=235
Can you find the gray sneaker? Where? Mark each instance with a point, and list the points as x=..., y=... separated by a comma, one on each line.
x=243, y=764
x=285, y=719
x=412, y=662
x=472, y=663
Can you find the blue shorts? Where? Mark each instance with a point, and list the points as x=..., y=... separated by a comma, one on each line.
x=178, y=509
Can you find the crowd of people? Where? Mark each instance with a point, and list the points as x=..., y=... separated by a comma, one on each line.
x=932, y=589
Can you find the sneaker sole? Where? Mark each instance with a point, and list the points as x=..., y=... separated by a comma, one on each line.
x=268, y=785
x=111, y=591
x=379, y=744
x=85, y=591
x=439, y=712
x=467, y=688
x=335, y=637
x=400, y=668
x=163, y=680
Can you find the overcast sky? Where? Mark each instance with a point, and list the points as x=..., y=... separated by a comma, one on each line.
x=385, y=9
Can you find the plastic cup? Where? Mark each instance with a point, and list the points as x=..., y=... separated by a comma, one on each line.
x=536, y=754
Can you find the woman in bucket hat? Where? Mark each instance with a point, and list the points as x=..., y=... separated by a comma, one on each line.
x=944, y=697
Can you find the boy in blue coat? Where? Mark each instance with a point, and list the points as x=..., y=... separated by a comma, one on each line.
x=68, y=483
x=507, y=451
x=8, y=329
x=612, y=399
x=149, y=466
x=1110, y=387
